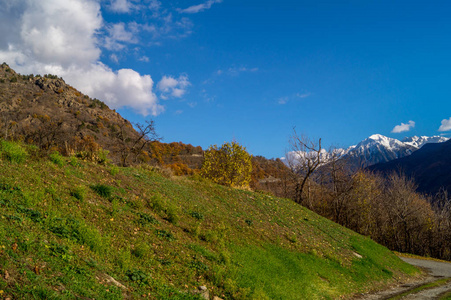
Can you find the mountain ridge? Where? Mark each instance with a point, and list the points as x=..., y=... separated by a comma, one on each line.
x=430, y=167
x=376, y=149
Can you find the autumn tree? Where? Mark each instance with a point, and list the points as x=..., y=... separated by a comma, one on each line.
x=228, y=165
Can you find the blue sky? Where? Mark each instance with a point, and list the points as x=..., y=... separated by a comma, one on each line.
x=210, y=71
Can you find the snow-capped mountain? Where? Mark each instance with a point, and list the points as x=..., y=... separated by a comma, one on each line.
x=419, y=141
x=378, y=148
x=372, y=150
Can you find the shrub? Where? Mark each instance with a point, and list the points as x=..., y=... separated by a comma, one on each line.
x=229, y=165
x=13, y=152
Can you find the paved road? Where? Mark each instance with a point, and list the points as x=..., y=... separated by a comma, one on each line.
x=436, y=271
x=435, y=268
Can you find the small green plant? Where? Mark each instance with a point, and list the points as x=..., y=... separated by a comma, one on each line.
x=197, y=215
x=13, y=152
x=291, y=238
x=145, y=219
x=172, y=214
x=163, y=234
x=78, y=193
x=164, y=261
x=141, y=250
x=103, y=190
x=249, y=222
x=114, y=170
x=138, y=277
x=61, y=251
x=198, y=266
x=57, y=158
x=102, y=156
x=156, y=203
x=34, y=215
x=74, y=162
x=196, y=229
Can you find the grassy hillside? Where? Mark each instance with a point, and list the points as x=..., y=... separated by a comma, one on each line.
x=68, y=228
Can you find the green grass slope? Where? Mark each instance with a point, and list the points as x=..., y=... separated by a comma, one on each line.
x=75, y=230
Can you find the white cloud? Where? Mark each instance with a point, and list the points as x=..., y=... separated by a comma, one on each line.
x=125, y=87
x=154, y=5
x=175, y=87
x=403, y=127
x=236, y=71
x=121, y=6
x=446, y=125
x=164, y=26
x=286, y=99
x=302, y=96
x=282, y=100
x=144, y=59
x=119, y=35
x=199, y=7
x=114, y=58
x=61, y=37
x=52, y=31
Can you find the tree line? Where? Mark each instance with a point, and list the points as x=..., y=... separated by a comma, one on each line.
x=386, y=208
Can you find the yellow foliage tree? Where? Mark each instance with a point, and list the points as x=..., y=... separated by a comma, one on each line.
x=229, y=165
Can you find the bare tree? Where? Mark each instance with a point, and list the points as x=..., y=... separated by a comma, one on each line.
x=128, y=143
x=304, y=158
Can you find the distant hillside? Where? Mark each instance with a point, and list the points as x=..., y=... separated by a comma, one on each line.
x=430, y=167
x=78, y=230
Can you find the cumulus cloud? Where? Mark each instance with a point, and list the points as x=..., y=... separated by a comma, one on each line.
x=403, y=127
x=199, y=7
x=62, y=38
x=446, y=125
x=173, y=87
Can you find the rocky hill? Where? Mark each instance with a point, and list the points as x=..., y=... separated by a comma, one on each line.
x=46, y=111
